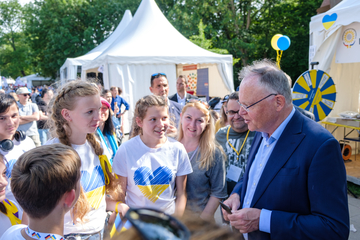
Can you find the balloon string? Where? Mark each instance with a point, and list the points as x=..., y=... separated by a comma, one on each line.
x=278, y=57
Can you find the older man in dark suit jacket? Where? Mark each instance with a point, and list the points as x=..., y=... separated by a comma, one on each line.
x=181, y=96
x=294, y=186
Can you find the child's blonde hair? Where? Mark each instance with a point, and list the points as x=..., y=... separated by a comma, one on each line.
x=141, y=108
x=59, y=127
x=41, y=176
x=207, y=143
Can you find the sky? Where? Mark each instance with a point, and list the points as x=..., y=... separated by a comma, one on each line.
x=22, y=2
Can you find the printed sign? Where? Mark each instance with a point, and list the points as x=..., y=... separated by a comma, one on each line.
x=348, y=48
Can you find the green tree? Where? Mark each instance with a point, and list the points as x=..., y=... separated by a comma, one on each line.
x=14, y=50
x=245, y=28
x=57, y=29
x=207, y=44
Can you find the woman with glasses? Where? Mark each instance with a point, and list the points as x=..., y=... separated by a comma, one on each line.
x=206, y=185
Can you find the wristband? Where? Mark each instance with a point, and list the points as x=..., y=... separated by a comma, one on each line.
x=116, y=206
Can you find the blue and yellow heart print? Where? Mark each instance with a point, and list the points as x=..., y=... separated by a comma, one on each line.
x=152, y=184
x=94, y=186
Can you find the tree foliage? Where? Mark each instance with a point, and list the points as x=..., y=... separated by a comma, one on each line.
x=14, y=50
x=58, y=29
x=245, y=28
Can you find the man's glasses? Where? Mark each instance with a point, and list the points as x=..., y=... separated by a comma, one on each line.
x=246, y=108
x=26, y=95
x=156, y=75
x=154, y=224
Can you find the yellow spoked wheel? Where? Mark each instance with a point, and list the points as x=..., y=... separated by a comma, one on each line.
x=315, y=91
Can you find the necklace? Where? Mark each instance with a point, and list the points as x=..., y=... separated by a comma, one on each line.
x=227, y=138
x=42, y=236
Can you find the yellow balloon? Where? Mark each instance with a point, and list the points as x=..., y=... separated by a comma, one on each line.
x=274, y=41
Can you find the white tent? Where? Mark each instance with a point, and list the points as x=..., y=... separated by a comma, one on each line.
x=68, y=70
x=337, y=50
x=33, y=77
x=150, y=44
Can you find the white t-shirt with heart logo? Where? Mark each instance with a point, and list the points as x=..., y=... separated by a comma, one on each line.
x=151, y=172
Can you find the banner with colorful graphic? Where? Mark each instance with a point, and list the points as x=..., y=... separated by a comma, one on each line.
x=348, y=48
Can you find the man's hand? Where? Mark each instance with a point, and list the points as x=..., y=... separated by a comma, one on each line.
x=246, y=220
x=233, y=202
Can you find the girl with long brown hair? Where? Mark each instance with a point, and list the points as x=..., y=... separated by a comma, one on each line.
x=75, y=116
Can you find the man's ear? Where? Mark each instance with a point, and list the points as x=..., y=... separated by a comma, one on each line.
x=69, y=198
x=280, y=102
x=151, y=90
x=66, y=115
x=139, y=122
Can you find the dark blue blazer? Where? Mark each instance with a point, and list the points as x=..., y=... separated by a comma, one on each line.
x=188, y=96
x=303, y=184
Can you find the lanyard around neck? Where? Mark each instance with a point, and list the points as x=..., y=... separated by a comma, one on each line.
x=42, y=236
x=227, y=138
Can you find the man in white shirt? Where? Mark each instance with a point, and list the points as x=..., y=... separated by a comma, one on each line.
x=181, y=96
x=29, y=114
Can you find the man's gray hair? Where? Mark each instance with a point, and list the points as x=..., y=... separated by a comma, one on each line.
x=270, y=76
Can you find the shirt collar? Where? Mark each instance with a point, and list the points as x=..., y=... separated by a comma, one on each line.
x=178, y=96
x=277, y=133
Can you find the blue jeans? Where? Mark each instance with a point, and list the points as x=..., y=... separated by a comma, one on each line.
x=44, y=135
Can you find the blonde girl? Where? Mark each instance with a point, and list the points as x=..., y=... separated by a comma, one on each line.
x=206, y=185
x=75, y=116
x=150, y=165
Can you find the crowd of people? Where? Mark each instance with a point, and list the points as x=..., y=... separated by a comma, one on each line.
x=68, y=175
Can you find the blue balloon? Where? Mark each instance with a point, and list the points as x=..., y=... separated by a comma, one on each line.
x=283, y=43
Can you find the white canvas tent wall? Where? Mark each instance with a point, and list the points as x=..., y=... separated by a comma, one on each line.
x=150, y=44
x=34, y=77
x=68, y=70
x=345, y=75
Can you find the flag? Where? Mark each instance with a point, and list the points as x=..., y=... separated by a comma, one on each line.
x=119, y=226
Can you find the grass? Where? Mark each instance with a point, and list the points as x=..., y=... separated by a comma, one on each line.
x=354, y=188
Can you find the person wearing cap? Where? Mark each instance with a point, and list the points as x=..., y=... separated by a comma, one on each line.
x=181, y=96
x=29, y=114
x=106, y=130
x=236, y=140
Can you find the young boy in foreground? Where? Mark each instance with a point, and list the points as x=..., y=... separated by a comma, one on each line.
x=46, y=183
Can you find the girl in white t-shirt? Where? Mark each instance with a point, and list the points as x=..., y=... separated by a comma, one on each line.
x=13, y=143
x=10, y=212
x=150, y=165
x=75, y=116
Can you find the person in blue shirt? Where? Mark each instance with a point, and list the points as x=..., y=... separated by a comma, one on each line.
x=120, y=101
